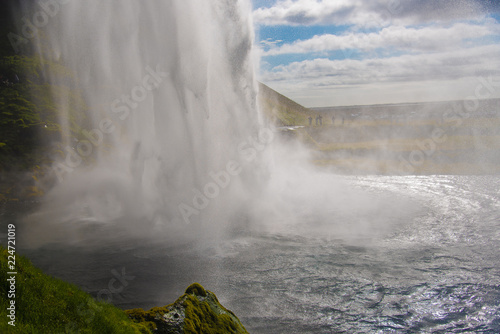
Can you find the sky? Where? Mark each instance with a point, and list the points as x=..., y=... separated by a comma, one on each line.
x=360, y=52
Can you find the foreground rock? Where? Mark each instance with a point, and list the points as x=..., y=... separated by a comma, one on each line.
x=197, y=311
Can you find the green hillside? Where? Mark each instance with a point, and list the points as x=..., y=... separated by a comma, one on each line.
x=280, y=110
x=32, y=302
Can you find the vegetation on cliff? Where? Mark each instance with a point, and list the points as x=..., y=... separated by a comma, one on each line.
x=30, y=120
x=280, y=110
x=31, y=117
x=44, y=304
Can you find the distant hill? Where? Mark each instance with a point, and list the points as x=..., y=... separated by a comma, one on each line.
x=280, y=110
x=428, y=110
x=394, y=139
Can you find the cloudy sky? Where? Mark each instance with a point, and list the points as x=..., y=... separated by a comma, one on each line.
x=352, y=52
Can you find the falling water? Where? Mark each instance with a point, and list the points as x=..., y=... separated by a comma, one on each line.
x=171, y=128
x=170, y=144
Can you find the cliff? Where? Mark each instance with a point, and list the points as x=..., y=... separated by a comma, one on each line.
x=280, y=110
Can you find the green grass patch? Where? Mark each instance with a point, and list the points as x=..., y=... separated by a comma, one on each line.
x=44, y=304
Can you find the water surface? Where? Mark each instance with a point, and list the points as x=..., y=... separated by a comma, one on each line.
x=435, y=270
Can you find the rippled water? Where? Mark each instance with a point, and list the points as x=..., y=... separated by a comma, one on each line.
x=436, y=270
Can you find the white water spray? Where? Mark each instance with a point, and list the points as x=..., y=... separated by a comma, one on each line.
x=171, y=144
x=171, y=95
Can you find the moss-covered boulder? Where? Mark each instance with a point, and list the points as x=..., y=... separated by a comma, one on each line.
x=197, y=311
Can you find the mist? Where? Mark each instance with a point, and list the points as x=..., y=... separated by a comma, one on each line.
x=169, y=145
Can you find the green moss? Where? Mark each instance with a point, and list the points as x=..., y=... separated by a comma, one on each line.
x=196, y=289
x=31, y=124
x=208, y=316
x=48, y=305
x=197, y=311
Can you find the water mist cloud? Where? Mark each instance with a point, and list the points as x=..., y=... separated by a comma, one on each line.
x=147, y=145
x=170, y=161
x=121, y=109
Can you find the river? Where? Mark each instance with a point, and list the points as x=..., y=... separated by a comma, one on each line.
x=434, y=270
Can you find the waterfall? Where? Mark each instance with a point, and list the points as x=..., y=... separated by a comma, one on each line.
x=170, y=129
x=165, y=141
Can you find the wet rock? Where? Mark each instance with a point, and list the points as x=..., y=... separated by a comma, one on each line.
x=197, y=311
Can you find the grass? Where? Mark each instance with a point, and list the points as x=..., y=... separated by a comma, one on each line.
x=48, y=305
x=44, y=304
x=280, y=110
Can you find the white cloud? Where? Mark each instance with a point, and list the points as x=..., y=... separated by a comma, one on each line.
x=451, y=65
x=309, y=12
x=418, y=50
x=432, y=38
x=367, y=13
x=270, y=42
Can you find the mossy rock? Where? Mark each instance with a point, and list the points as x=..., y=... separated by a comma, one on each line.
x=197, y=311
x=196, y=289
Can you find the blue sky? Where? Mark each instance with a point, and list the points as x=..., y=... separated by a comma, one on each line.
x=353, y=52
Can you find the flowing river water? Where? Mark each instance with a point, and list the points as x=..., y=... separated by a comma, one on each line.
x=435, y=270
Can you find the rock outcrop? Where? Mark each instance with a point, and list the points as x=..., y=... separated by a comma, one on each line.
x=197, y=311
